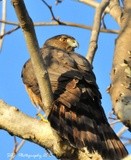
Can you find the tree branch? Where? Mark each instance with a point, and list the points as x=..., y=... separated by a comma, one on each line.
x=36, y=58
x=31, y=129
x=113, y=9
x=17, y=148
x=122, y=130
x=96, y=30
x=63, y=23
x=91, y=3
x=39, y=132
x=2, y=31
x=120, y=88
x=52, y=13
x=9, y=32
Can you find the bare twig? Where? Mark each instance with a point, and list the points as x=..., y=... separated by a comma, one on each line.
x=54, y=23
x=51, y=11
x=3, y=25
x=14, y=149
x=71, y=24
x=127, y=140
x=17, y=148
x=9, y=32
x=36, y=58
x=16, y=144
x=127, y=143
x=114, y=122
x=122, y=130
x=9, y=23
x=96, y=30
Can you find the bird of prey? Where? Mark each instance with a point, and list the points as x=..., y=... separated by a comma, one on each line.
x=76, y=113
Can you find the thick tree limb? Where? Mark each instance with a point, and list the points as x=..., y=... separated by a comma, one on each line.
x=115, y=11
x=23, y=126
x=36, y=59
x=120, y=89
x=39, y=132
x=96, y=30
x=91, y=3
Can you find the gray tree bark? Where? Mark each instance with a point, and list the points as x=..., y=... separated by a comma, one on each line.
x=120, y=89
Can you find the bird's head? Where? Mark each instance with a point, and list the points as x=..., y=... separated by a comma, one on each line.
x=63, y=42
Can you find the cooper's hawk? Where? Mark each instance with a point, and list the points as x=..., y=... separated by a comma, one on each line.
x=76, y=114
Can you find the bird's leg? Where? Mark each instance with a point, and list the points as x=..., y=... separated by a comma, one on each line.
x=42, y=117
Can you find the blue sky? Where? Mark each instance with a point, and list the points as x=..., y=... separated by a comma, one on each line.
x=14, y=54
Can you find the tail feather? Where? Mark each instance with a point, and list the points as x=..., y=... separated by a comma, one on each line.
x=109, y=141
x=117, y=144
x=82, y=131
x=82, y=121
x=76, y=132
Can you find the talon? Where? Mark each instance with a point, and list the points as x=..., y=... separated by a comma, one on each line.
x=42, y=118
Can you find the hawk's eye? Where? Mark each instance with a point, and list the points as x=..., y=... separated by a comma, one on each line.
x=63, y=39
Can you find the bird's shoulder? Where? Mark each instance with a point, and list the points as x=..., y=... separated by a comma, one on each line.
x=62, y=57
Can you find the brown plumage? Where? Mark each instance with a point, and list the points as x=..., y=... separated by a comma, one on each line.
x=76, y=114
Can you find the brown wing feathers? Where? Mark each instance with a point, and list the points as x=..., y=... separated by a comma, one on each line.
x=84, y=122
x=77, y=113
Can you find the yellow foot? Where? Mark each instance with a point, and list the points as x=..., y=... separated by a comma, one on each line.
x=42, y=118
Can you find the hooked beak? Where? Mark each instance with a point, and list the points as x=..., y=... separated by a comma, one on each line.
x=73, y=43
